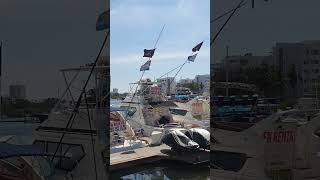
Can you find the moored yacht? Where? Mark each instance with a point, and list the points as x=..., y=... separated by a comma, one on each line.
x=64, y=145
x=147, y=109
x=286, y=145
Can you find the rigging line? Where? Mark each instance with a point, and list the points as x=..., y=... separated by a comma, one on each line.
x=91, y=135
x=159, y=36
x=225, y=23
x=179, y=70
x=170, y=71
x=64, y=93
x=226, y=13
x=66, y=81
x=135, y=92
x=75, y=110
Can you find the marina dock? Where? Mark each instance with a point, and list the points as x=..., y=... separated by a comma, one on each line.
x=154, y=154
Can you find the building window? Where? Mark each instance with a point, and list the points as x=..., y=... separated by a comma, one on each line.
x=315, y=61
x=315, y=71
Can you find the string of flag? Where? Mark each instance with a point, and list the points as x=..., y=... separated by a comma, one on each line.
x=190, y=58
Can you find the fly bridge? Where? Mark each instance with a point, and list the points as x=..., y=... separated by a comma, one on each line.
x=94, y=97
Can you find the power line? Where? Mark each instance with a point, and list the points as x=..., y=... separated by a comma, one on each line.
x=233, y=12
x=226, y=13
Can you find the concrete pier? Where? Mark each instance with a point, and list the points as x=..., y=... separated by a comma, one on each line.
x=153, y=154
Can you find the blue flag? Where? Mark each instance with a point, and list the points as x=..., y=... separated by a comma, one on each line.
x=192, y=58
x=103, y=21
x=145, y=66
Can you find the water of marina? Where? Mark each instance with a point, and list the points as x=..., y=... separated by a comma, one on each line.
x=163, y=171
x=14, y=127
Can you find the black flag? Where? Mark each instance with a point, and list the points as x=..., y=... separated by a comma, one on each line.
x=148, y=53
x=197, y=47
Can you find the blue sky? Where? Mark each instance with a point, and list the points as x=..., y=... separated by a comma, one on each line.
x=136, y=24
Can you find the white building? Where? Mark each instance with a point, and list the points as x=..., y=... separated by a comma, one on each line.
x=304, y=57
x=186, y=81
x=203, y=81
x=115, y=90
x=167, y=85
x=236, y=62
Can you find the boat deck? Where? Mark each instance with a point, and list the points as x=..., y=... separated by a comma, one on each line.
x=153, y=154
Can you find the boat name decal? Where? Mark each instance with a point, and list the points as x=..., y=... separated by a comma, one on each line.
x=279, y=136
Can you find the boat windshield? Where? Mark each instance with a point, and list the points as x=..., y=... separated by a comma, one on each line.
x=129, y=111
x=180, y=112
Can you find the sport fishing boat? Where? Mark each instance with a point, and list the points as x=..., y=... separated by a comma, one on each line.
x=285, y=145
x=74, y=136
x=195, y=113
x=147, y=110
x=63, y=148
